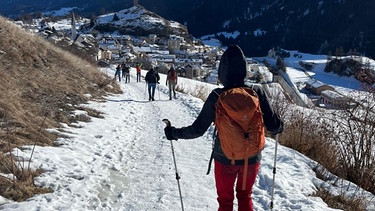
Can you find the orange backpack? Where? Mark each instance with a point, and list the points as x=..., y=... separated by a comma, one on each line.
x=239, y=124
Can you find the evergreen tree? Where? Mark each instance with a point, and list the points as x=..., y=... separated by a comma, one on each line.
x=115, y=17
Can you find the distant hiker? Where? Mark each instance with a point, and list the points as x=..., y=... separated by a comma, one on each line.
x=126, y=72
x=118, y=72
x=171, y=82
x=152, y=78
x=123, y=70
x=232, y=71
x=138, y=69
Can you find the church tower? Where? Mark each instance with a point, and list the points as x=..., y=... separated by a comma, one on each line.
x=74, y=30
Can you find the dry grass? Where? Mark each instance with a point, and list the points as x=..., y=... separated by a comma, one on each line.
x=340, y=201
x=198, y=91
x=40, y=85
x=311, y=137
x=308, y=136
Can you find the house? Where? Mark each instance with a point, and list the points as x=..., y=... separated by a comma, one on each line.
x=152, y=38
x=192, y=71
x=124, y=39
x=106, y=55
x=316, y=87
x=174, y=42
x=333, y=99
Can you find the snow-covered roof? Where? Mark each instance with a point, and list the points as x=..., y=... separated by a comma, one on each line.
x=142, y=49
x=314, y=83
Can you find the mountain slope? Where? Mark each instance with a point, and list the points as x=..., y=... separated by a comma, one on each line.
x=139, y=22
x=309, y=26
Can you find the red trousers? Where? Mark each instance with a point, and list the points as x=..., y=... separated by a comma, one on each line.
x=225, y=177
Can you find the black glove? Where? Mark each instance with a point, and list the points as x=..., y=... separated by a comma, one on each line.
x=278, y=130
x=169, y=132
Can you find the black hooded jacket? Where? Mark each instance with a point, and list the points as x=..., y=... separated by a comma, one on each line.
x=152, y=76
x=232, y=71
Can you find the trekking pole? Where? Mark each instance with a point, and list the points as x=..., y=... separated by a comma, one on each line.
x=274, y=171
x=158, y=91
x=145, y=90
x=168, y=123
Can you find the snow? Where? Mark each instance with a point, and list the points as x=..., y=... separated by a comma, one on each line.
x=61, y=12
x=65, y=24
x=131, y=17
x=124, y=162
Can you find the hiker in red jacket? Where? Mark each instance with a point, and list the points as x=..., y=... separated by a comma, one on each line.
x=138, y=69
x=171, y=82
x=232, y=72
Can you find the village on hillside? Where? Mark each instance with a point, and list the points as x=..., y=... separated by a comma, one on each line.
x=193, y=60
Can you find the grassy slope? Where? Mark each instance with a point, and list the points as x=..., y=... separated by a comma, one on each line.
x=40, y=85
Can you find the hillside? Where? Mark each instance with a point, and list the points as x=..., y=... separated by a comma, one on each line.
x=138, y=21
x=40, y=86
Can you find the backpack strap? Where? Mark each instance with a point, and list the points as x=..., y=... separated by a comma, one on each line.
x=213, y=140
x=245, y=166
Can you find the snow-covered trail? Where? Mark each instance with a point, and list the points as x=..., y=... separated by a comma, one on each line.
x=122, y=162
x=146, y=156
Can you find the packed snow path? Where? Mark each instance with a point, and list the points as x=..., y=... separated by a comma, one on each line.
x=123, y=162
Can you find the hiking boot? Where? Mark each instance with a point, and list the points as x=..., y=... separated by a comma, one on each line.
x=170, y=98
x=153, y=99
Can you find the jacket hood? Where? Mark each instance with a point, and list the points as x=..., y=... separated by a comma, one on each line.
x=232, y=67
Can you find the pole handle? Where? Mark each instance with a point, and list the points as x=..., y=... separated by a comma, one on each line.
x=167, y=122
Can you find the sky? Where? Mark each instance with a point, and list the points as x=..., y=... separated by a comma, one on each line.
x=123, y=161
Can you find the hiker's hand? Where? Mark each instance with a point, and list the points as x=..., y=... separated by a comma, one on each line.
x=278, y=130
x=169, y=132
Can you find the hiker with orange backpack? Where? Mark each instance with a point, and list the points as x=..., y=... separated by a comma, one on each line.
x=233, y=105
x=171, y=82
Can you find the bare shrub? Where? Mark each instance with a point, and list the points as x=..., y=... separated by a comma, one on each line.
x=180, y=88
x=354, y=130
x=306, y=134
x=199, y=91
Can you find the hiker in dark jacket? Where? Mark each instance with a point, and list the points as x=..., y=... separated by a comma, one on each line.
x=232, y=72
x=118, y=72
x=152, y=78
x=126, y=72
